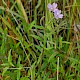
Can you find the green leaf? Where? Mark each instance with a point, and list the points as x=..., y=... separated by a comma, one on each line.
x=51, y=57
x=24, y=78
x=20, y=66
x=18, y=63
x=10, y=58
x=38, y=27
x=27, y=45
x=33, y=71
x=40, y=58
x=5, y=64
x=18, y=74
x=4, y=70
x=8, y=25
x=36, y=37
x=1, y=30
x=31, y=25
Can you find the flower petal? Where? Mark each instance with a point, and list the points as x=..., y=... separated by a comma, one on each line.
x=55, y=10
x=50, y=7
x=60, y=15
x=54, y=5
x=56, y=16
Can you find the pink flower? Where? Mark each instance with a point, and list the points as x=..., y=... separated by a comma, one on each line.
x=52, y=7
x=55, y=10
x=57, y=14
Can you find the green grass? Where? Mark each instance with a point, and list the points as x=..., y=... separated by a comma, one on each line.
x=36, y=46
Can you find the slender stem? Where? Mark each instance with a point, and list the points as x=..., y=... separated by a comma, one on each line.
x=58, y=68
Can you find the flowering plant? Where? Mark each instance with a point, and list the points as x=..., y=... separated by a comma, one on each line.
x=53, y=8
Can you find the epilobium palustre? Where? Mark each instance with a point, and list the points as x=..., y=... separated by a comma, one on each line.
x=53, y=8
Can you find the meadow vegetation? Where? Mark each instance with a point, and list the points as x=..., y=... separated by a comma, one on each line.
x=36, y=46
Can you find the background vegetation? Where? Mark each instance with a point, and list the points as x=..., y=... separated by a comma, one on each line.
x=36, y=46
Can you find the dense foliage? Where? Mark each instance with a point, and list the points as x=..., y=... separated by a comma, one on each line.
x=36, y=46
